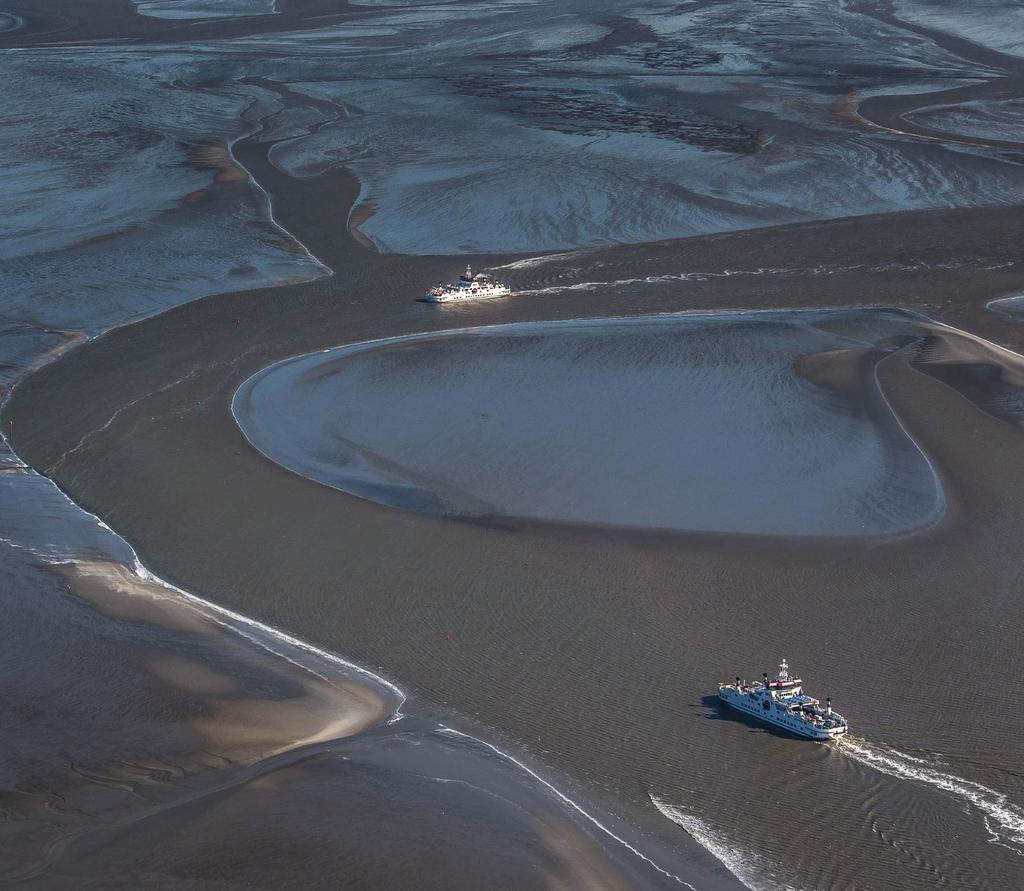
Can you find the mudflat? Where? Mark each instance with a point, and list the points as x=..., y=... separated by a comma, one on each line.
x=597, y=648
x=541, y=527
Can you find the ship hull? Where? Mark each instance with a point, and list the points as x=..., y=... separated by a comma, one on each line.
x=790, y=725
x=453, y=298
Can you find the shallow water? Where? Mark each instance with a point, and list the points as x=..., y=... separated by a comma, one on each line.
x=153, y=211
x=155, y=698
x=201, y=702
x=619, y=124
x=606, y=124
x=997, y=24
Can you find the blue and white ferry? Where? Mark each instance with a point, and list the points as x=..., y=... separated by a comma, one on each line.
x=782, y=702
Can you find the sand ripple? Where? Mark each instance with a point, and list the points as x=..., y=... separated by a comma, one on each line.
x=690, y=422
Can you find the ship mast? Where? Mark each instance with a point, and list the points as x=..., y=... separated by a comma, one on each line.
x=784, y=671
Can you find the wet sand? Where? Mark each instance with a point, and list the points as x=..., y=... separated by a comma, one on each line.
x=1010, y=307
x=68, y=21
x=685, y=421
x=168, y=741
x=597, y=650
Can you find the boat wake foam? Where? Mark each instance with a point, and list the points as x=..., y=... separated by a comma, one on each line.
x=752, y=870
x=1003, y=820
x=530, y=262
x=825, y=269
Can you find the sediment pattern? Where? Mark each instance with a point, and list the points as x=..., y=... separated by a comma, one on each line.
x=546, y=674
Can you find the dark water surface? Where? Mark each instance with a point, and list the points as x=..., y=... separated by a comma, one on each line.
x=410, y=422
x=149, y=731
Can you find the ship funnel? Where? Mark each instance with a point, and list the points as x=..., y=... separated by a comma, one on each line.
x=737, y=682
x=828, y=705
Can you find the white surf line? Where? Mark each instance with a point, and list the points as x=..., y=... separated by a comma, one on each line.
x=943, y=502
x=750, y=869
x=1008, y=354
x=936, y=135
x=1005, y=306
x=237, y=619
x=10, y=542
x=238, y=622
x=566, y=800
x=1003, y=820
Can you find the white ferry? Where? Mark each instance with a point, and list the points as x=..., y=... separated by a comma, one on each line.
x=782, y=702
x=468, y=287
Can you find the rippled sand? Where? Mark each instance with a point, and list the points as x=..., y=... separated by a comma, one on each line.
x=592, y=648
x=598, y=645
x=689, y=422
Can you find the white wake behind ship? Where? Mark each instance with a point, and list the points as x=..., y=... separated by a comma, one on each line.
x=782, y=702
x=468, y=287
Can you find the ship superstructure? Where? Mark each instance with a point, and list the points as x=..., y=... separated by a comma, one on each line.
x=468, y=287
x=782, y=702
